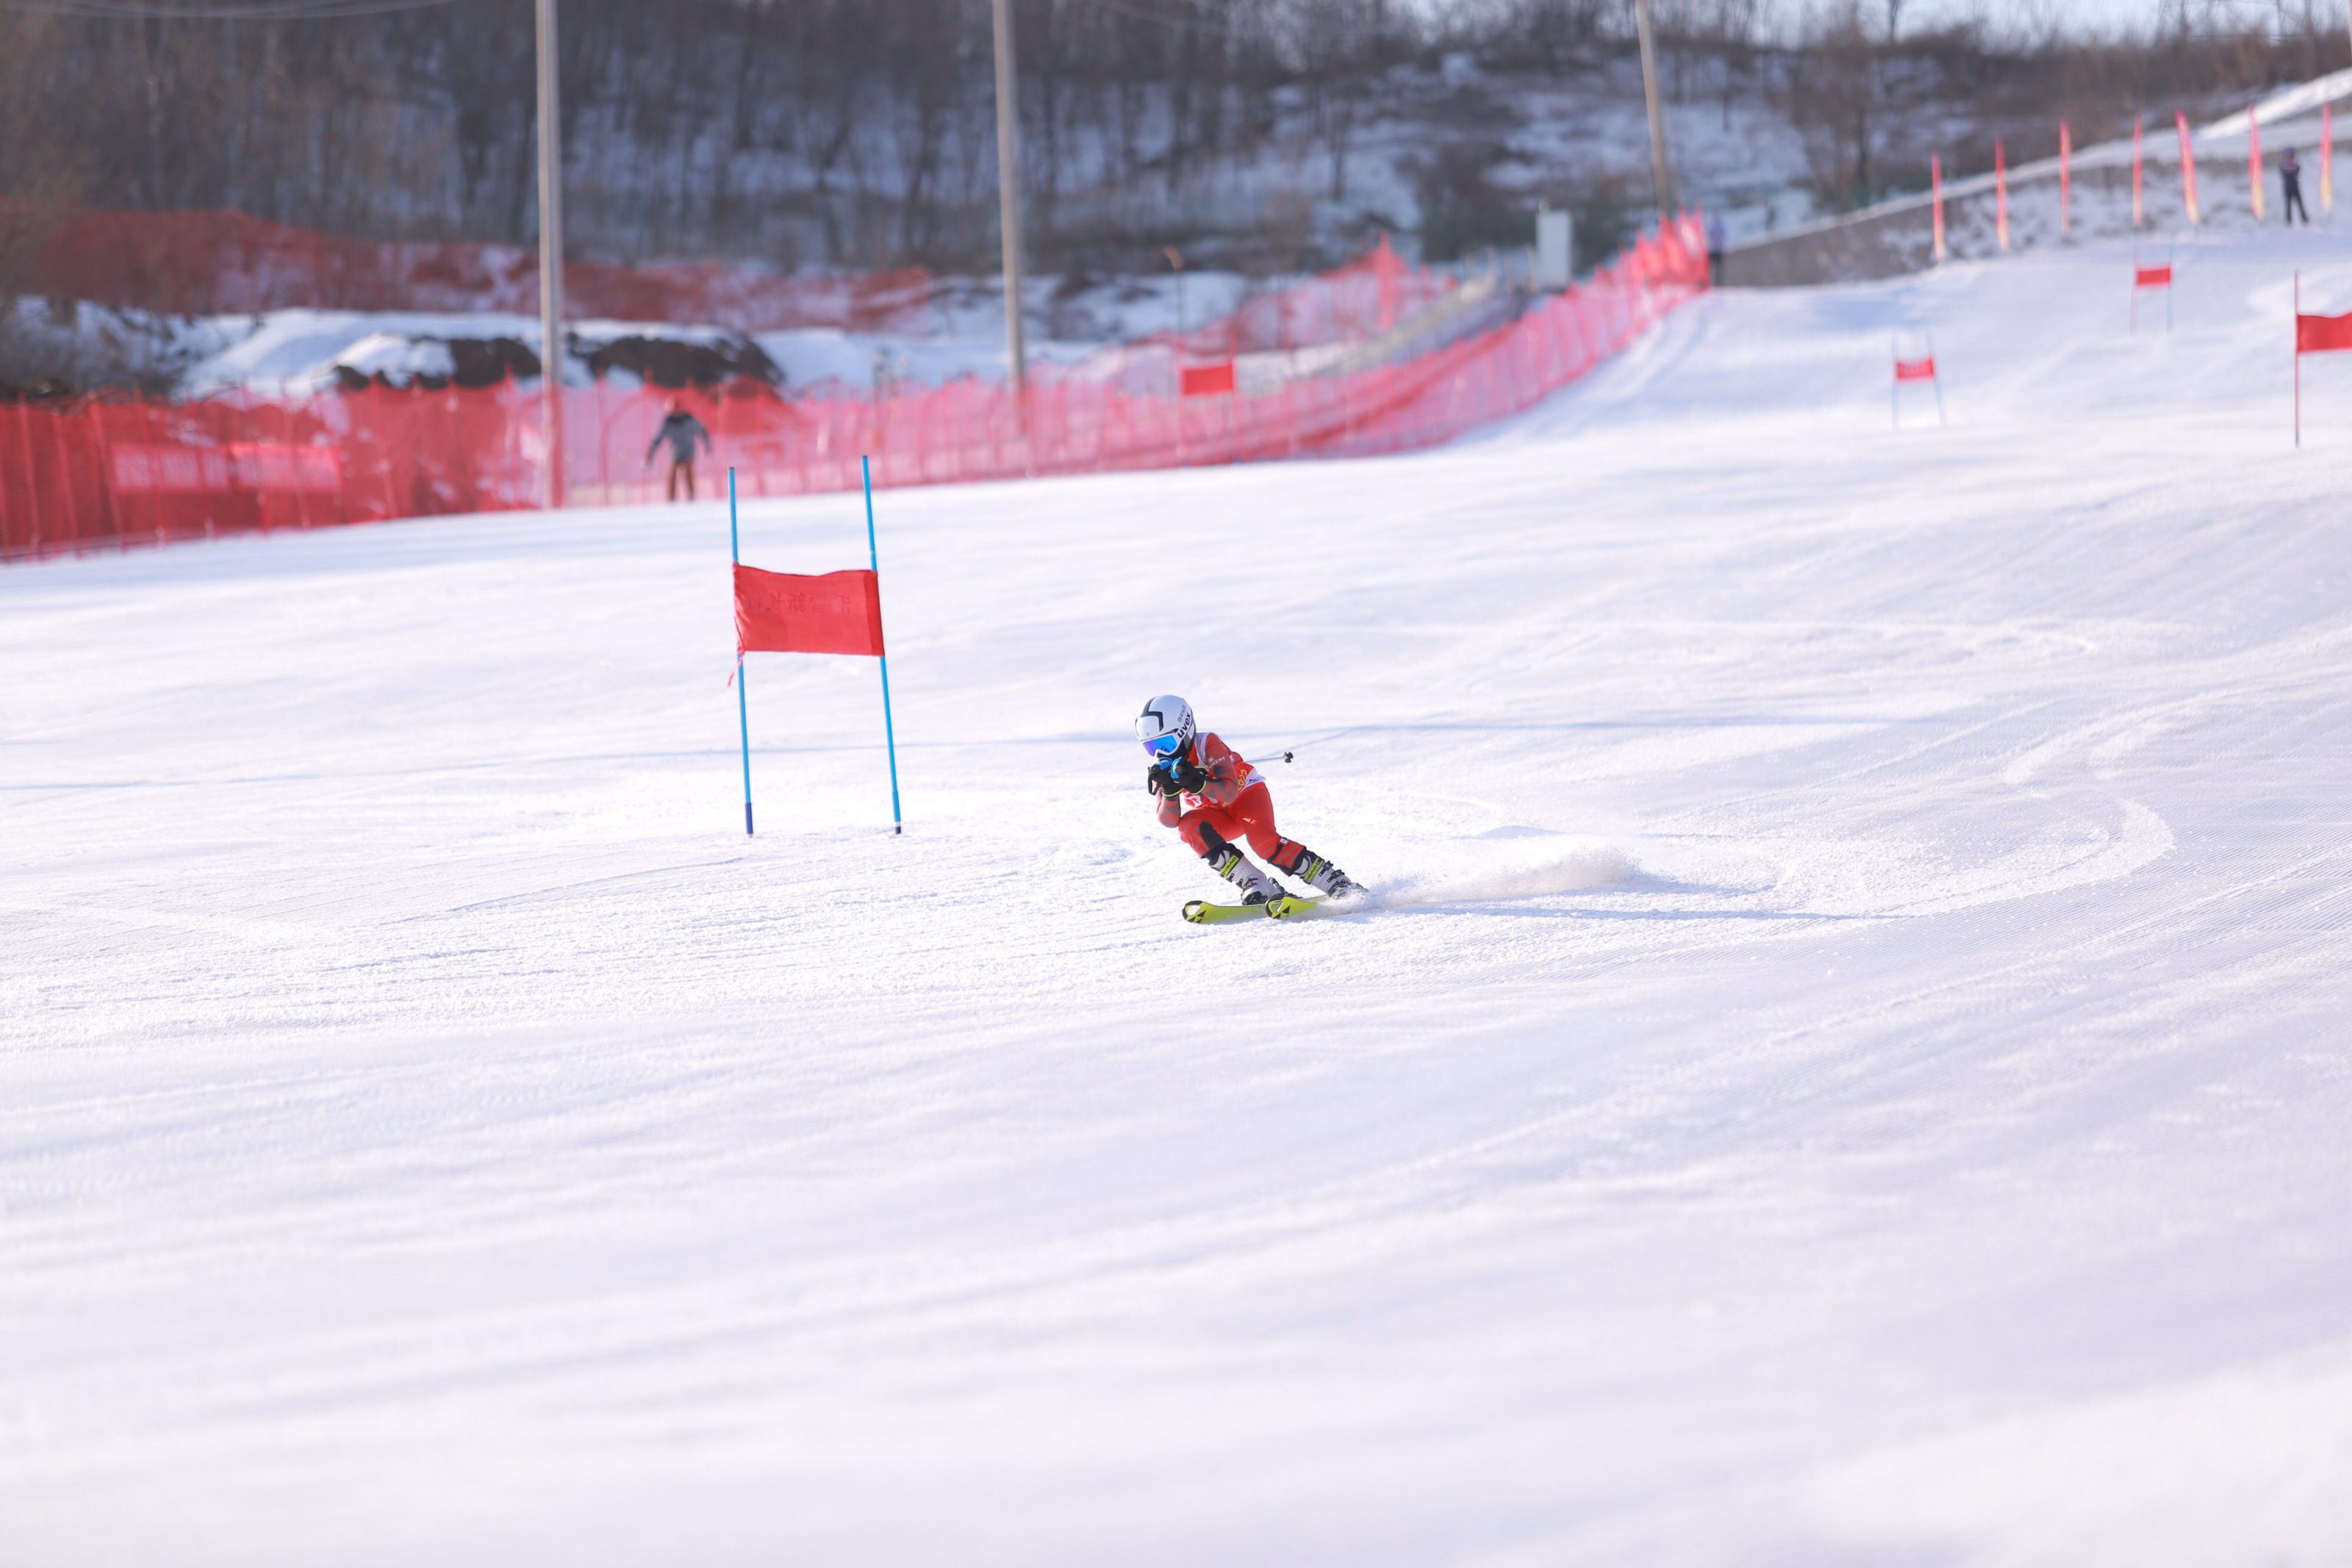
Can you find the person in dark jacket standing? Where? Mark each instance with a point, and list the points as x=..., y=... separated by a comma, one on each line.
x=2291, y=189
x=681, y=430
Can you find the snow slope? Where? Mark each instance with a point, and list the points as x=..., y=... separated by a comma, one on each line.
x=296, y=353
x=1852, y=1068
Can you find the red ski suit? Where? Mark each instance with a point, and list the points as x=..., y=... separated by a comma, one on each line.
x=1234, y=801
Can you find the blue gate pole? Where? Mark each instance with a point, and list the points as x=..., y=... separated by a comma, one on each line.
x=888, y=740
x=742, y=706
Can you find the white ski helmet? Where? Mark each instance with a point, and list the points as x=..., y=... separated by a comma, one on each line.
x=1165, y=726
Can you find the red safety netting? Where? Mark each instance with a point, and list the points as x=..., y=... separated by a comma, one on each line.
x=1360, y=300
x=1306, y=328
x=219, y=260
x=103, y=475
x=116, y=474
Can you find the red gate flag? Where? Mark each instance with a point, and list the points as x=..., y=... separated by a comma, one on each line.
x=777, y=612
x=1936, y=184
x=2326, y=157
x=2152, y=276
x=2065, y=177
x=1915, y=369
x=2188, y=168
x=2001, y=193
x=1200, y=380
x=2323, y=334
x=2254, y=160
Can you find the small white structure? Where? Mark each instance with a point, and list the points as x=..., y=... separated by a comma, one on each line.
x=1555, y=248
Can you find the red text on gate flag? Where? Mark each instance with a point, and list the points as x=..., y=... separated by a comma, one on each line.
x=778, y=613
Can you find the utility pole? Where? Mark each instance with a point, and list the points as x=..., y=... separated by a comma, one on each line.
x=1008, y=195
x=1659, y=175
x=551, y=255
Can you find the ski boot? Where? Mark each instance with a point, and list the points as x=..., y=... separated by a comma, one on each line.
x=1238, y=869
x=1320, y=874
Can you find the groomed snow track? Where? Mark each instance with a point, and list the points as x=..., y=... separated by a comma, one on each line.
x=1852, y=1067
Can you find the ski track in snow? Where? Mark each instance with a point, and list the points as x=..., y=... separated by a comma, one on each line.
x=1844, y=1062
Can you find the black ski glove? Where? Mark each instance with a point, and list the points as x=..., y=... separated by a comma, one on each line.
x=1173, y=779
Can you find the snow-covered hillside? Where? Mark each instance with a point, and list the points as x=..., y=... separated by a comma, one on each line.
x=296, y=352
x=1850, y=1066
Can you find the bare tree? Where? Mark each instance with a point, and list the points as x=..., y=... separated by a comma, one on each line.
x=856, y=133
x=1832, y=94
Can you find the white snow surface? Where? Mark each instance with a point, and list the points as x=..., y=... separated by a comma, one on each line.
x=1848, y=1065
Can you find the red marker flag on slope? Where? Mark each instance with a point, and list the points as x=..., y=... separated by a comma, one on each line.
x=2314, y=335
x=2323, y=334
x=1922, y=369
x=777, y=612
x=2188, y=170
x=2150, y=278
x=840, y=612
x=1201, y=381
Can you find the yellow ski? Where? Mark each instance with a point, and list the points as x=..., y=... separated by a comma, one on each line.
x=1200, y=912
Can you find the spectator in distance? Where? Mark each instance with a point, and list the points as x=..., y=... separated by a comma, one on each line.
x=681, y=430
x=2291, y=189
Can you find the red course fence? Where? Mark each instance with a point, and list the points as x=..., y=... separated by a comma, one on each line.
x=111, y=475
x=1359, y=300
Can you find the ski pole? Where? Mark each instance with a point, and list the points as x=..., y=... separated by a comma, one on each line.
x=742, y=705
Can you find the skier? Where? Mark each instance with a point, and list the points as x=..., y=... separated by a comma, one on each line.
x=2291, y=189
x=681, y=430
x=1208, y=793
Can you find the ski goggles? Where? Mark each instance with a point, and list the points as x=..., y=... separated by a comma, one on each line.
x=1165, y=746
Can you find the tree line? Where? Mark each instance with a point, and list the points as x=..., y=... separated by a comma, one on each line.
x=859, y=133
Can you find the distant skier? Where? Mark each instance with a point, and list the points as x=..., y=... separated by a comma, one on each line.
x=681, y=430
x=1208, y=793
x=2291, y=189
